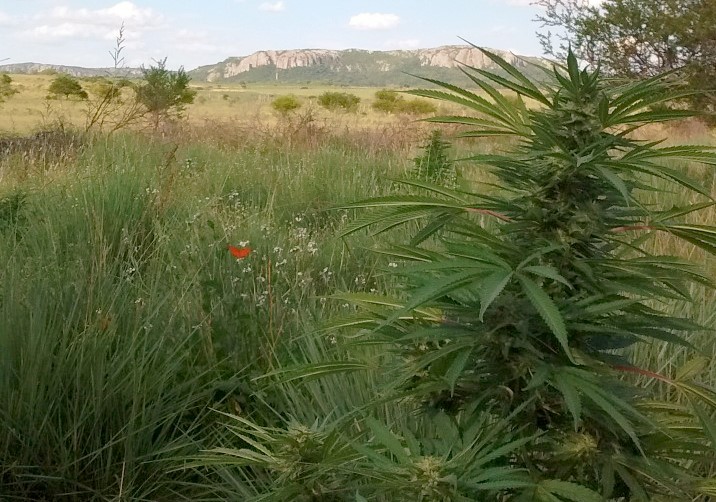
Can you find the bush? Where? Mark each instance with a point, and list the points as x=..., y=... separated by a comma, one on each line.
x=286, y=104
x=67, y=86
x=391, y=102
x=6, y=88
x=339, y=101
x=164, y=93
x=416, y=107
x=386, y=101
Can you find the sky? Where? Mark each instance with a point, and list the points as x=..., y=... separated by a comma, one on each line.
x=191, y=33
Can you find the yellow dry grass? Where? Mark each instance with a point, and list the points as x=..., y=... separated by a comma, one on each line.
x=30, y=109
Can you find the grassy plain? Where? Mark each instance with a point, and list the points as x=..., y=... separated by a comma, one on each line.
x=214, y=102
x=127, y=329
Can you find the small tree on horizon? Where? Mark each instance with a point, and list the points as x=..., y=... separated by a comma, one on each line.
x=638, y=40
x=6, y=88
x=164, y=93
x=67, y=86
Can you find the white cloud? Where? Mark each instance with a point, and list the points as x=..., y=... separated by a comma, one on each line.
x=195, y=41
x=6, y=19
x=66, y=23
x=373, y=21
x=272, y=7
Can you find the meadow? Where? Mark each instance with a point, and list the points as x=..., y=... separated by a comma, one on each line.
x=30, y=108
x=132, y=341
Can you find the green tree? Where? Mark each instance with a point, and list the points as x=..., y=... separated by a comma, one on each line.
x=67, y=86
x=286, y=104
x=6, y=87
x=164, y=93
x=638, y=38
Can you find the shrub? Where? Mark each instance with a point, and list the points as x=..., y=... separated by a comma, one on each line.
x=339, y=101
x=67, y=86
x=164, y=93
x=6, y=88
x=286, y=104
x=386, y=101
x=391, y=102
x=416, y=107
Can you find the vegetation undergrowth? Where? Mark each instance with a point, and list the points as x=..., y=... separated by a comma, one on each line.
x=126, y=323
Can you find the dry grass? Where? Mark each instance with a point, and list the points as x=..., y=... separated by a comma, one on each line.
x=214, y=103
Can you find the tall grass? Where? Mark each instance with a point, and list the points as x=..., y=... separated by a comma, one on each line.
x=124, y=320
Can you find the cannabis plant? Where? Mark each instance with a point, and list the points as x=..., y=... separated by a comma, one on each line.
x=434, y=164
x=526, y=295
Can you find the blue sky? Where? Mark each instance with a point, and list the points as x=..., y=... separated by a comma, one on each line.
x=193, y=33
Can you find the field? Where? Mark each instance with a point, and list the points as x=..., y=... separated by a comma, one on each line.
x=132, y=341
x=214, y=102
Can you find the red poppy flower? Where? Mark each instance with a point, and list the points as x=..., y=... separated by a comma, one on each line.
x=239, y=253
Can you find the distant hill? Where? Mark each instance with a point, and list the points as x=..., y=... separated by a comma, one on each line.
x=353, y=66
x=75, y=71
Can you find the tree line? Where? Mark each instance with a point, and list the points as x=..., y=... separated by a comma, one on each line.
x=638, y=39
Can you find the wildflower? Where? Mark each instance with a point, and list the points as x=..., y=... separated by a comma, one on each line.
x=239, y=253
x=392, y=264
x=312, y=248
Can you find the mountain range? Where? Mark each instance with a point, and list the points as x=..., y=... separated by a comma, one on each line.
x=343, y=67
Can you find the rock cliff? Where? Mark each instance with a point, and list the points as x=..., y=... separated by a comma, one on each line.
x=352, y=60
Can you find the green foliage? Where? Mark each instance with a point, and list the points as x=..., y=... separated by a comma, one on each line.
x=286, y=104
x=67, y=86
x=640, y=39
x=434, y=164
x=164, y=93
x=391, y=102
x=524, y=299
x=6, y=88
x=416, y=107
x=386, y=101
x=339, y=101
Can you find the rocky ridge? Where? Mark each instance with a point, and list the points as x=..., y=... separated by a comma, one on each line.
x=448, y=56
x=75, y=71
